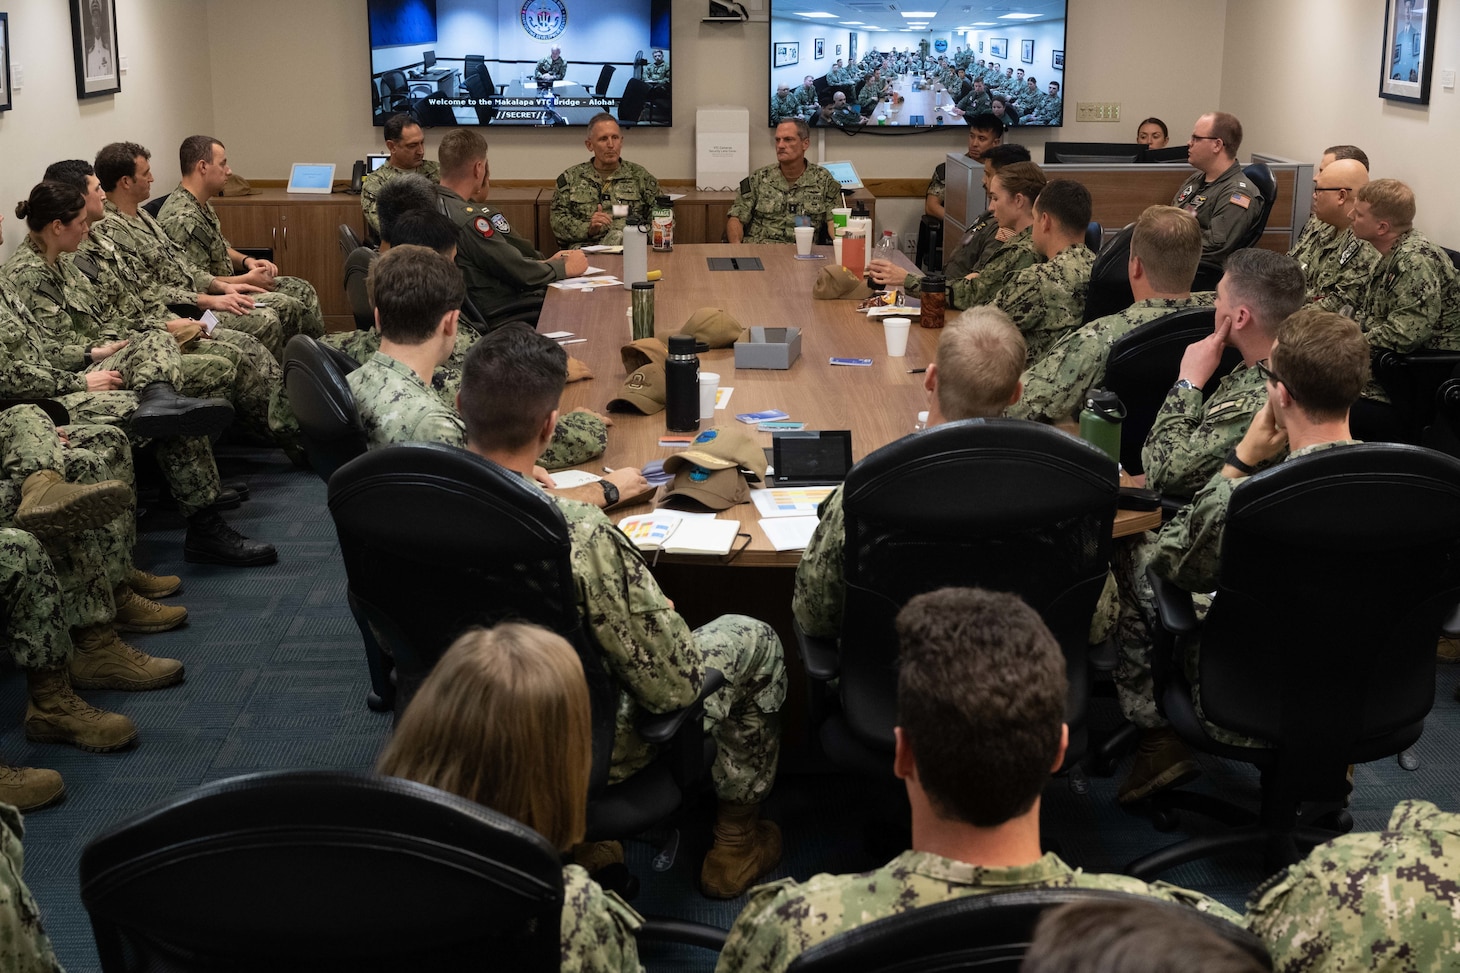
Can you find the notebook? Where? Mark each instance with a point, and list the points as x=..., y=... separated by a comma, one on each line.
x=669, y=532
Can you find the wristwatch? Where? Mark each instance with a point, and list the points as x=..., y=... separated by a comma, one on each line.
x=610, y=493
x=1184, y=383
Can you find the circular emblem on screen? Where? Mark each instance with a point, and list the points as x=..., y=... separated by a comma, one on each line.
x=940, y=45
x=544, y=19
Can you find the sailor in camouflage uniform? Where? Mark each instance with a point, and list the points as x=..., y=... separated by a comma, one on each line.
x=514, y=378
x=406, y=144
x=657, y=71
x=583, y=202
x=984, y=133
x=1164, y=252
x=1337, y=265
x=774, y=200
x=784, y=104
x=1412, y=301
x=1219, y=195
x=980, y=728
x=553, y=66
x=24, y=946
x=1048, y=299
x=1369, y=902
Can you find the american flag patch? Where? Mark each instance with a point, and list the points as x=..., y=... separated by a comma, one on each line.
x=1241, y=199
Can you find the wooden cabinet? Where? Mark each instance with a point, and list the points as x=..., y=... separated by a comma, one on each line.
x=303, y=232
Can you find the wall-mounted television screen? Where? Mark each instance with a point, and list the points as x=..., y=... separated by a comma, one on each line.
x=856, y=65
x=520, y=62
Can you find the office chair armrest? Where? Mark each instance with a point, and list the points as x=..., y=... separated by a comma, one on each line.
x=1451, y=625
x=54, y=410
x=186, y=310
x=662, y=929
x=820, y=656
x=660, y=728
x=1173, y=606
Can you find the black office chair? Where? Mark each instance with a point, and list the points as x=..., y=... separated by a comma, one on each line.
x=1444, y=434
x=1261, y=176
x=519, y=310
x=1110, y=278
x=1034, y=517
x=314, y=377
x=471, y=64
x=304, y=871
x=1094, y=234
x=349, y=239
x=604, y=77
x=479, y=86
x=1411, y=381
x=640, y=62
x=395, y=93
x=1454, y=256
x=1338, y=571
x=631, y=103
x=481, y=547
x=930, y=244
x=987, y=933
x=154, y=206
x=1143, y=365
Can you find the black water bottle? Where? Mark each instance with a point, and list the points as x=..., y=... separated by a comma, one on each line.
x=682, y=385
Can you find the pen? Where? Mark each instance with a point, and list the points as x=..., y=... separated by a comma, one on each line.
x=917, y=371
x=608, y=469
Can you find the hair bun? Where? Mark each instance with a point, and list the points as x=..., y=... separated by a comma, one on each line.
x=22, y=209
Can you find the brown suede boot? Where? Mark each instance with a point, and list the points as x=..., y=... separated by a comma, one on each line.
x=103, y=661
x=745, y=849
x=29, y=788
x=152, y=586
x=595, y=856
x=138, y=614
x=50, y=506
x=55, y=714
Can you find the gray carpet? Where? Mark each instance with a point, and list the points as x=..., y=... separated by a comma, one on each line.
x=276, y=679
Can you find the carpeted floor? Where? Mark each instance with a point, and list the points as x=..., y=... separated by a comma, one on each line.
x=276, y=679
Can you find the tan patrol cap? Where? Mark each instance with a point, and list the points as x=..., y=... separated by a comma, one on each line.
x=715, y=489
x=645, y=351
x=643, y=391
x=839, y=283
x=721, y=449
x=713, y=326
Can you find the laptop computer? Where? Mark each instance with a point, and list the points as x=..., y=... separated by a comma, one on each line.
x=818, y=457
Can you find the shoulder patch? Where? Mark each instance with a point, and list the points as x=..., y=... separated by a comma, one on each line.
x=745, y=185
x=483, y=226
x=1348, y=253
x=1241, y=199
x=562, y=180
x=499, y=220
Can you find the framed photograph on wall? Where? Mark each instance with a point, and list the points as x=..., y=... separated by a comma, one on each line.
x=1026, y=51
x=999, y=46
x=1059, y=60
x=838, y=50
x=820, y=48
x=94, y=41
x=1409, y=50
x=5, y=103
x=787, y=53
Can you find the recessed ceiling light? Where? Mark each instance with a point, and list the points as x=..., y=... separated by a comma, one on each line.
x=1018, y=16
x=804, y=14
x=850, y=23
x=919, y=14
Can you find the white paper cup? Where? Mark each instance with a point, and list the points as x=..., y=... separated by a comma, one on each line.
x=620, y=210
x=709, y=389
x=922, y=422
x=803, y=239
x=895, y=331
x=836, y=250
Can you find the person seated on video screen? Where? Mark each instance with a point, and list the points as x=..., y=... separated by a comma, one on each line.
x=589, y=193
x=552, y=67
x=657, y=71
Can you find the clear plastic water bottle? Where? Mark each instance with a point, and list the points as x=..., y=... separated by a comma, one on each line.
x=886, y=247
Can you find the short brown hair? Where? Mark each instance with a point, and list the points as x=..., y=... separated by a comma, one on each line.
x=1226, y=127
x=980, y=358
x=1390, y=200
x=981, y=700
x=460, y=150
x=1022, y=179
x=1323, y=359
x=118, y=161
x=1268, y=282
x=803, y=130
x=1348, y=152
x=1132, y=935
x=503, y=719
x=195, y=149
x=599, y=119
x=511, y=382
x=1168, y=242
x=412, y=289
x=1067, y=202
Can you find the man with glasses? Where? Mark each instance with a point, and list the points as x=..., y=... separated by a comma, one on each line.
x=1336, y=264
x=406, y=144
x=1219, y=194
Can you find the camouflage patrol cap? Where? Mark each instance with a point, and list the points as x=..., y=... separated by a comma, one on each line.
x=839, y=283
x=715, y=489
x=721, y=449
x=714, y=327
x=643, y=391
x=645, y=351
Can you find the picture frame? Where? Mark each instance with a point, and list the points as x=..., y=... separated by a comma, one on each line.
x=980, y=47
x=838, y=50
x=820, y=49
x=1026, y=51
x=787, y=53
x=1058, y=60
x=5, y=101
x=94, y=44
x=999, y=46
x=1408, y=51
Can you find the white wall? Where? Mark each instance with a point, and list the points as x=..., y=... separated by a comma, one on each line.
x=1324, y=91
x=165, y=96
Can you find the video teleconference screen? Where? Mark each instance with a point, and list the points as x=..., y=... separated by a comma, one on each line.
x=520, y=62
x=853, y=65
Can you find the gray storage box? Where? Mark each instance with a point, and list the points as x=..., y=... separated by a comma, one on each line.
x=769, y=348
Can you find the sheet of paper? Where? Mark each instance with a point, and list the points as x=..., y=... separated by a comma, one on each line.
x=722, y=396
x=578, y=283
x=789, y=533
x=672, y=197
x=573, y=478
x=895, y=311
x=603, y=248
x=555, y=335
x=789, y=501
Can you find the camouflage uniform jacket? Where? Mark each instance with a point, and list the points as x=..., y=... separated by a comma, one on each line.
x=938, y=185
x=767, y=205
x=657, y=72
x=806, y=94
x=1189, y=440
x=397, y=407
x=26, y=371
x=975, y=102
x=193, y=225
x=1048, y=299
x=118, y=280
x=1188, y=549
x=554, y=66
x=821, y=587
x=1226, y=208
x=24, y=947
x=582, y=189
x=170, y=278
x=375, y=181
x=978, y=244
x=1055, y=385
x=495, y=269
x=597, y=927
x=649, y=650
x=70, y=319
x=1413, y=299
x=786, y=107
x=1006, y=262
x=784, y=919
x=1369, y=901
x=1337, y=266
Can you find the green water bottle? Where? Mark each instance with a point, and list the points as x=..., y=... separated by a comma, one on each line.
x=1100, y=421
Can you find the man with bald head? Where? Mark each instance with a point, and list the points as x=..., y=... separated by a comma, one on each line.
x=1336, y=265
x=1224, y=202
x=1314, y=226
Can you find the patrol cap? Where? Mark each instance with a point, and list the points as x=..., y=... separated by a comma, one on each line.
x=643, y=391
x=715, y=489
x=713, y=326
x=839, y=283
x=721, y=449
x=645, y=351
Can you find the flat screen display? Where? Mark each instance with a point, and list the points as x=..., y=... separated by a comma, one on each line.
x=917, y=65
x=521, y=62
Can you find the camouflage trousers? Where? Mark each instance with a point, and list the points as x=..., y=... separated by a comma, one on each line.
x=260, y=324
x=742, y=716
x=297, y=307
x=255, y=377
x=186, y=462
x=35, y=626
x=154, y=356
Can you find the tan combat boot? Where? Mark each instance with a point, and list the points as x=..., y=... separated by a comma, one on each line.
x=103, y=661
x=50, y=506
x=745, y=849
x=29, y=788
x=55, y=714
x=138, y=614
x=152, y=586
